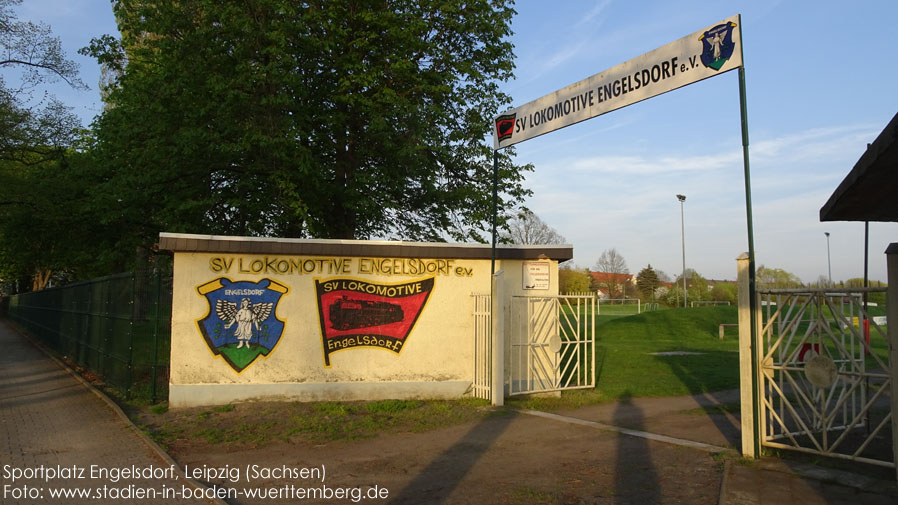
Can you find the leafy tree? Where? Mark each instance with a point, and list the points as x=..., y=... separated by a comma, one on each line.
x=776, y=278
x=858, y=282
x=306, y=119
x=35, y=128
x=724, y=292
x=49, y=232
x=572, y=279
x=647, y=282
x=877, y=297
x=674, y=296
x=37, y=137
x=696, y=286
x=528, y=229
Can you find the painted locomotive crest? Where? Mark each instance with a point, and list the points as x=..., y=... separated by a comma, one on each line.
x=241, y=323
x=355, y=313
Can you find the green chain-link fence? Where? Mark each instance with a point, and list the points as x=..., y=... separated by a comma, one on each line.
x=117, y=327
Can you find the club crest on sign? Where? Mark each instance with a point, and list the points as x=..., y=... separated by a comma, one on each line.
x=241, y=323
x=355, y=313
x=718, y=45
x=505, y=126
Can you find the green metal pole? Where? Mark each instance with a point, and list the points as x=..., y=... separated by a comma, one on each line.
x=153, y=365
x=752, y=297
x=495, y=207
x=131, y=336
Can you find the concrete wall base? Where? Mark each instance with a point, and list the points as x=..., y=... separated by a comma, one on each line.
x=196, y=395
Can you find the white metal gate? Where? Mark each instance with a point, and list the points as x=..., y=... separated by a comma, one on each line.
x=483, y=355
x=824, y=376
x=551, y=343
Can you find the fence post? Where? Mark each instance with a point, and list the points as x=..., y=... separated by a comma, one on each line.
x=134, y=288
x=892, y=334
x=153, y=371
x=497, y=386
x=746, y=391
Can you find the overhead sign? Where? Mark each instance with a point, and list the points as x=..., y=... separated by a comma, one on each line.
x=705, y=53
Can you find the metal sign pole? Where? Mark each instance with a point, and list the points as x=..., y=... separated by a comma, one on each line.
x=752, y=296
x=495, y=207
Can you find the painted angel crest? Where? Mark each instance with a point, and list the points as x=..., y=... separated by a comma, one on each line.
x=249, y=315
x=241, y=323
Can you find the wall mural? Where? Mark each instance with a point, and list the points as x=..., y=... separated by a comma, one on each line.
x=355, y=313
x=241, y=323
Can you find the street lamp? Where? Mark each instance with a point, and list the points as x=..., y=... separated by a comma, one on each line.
x=828, y=263
x=682, y=198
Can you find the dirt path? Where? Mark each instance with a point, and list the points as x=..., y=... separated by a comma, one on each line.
x=503, y=459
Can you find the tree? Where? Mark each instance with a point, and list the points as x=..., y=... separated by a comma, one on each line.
x=49, y=233
x=821, y=282
x=572, y=279
x=776, y=278
x=696, y=286
x=858, y=282
x=724, y=292
x=38, y=136
x=673, y=297
x=527, y=228
x=307, y=119
x=647, y=282
x=34, y=128
x=613, y=265
x=611, y=261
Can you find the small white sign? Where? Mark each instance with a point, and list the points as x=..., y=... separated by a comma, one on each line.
x=536, y=275
x=708, y=52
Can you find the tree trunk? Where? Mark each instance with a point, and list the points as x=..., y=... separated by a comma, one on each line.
x=41, y=279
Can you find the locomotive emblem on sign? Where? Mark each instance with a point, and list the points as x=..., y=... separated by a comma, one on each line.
x=350, y=313
x=355, y=313
x=241, y=324
x=505, y=126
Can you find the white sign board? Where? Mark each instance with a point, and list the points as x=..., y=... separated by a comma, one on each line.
x=536, y=275
x=705, y=53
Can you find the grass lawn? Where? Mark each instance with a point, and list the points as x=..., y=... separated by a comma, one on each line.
x=628, y=360
x=257, y=424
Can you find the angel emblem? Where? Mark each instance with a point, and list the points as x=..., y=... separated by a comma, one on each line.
x=716, y=43
x=248, y=315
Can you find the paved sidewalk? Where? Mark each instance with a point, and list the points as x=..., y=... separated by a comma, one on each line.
x=54, y=431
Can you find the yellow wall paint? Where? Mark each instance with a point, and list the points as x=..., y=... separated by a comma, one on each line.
x=439, y=347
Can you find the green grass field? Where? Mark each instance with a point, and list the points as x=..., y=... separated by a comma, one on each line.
x=640, y=356
x=628, y=363
x=628, y=359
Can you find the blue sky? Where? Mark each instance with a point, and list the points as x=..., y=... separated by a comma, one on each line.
x=820, y=85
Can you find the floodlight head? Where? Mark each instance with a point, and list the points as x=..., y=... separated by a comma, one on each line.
x=681, y=198
x=826, y=233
